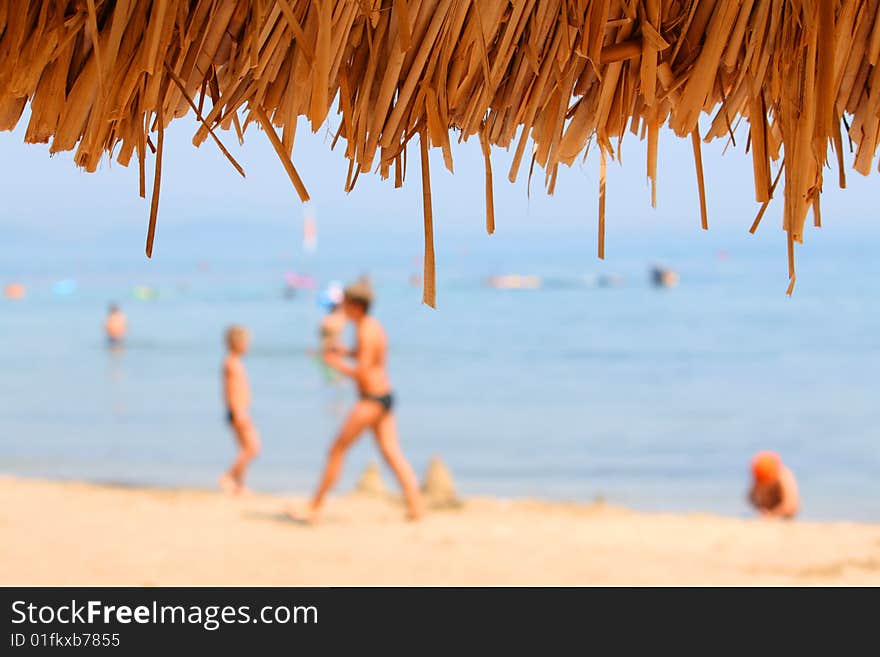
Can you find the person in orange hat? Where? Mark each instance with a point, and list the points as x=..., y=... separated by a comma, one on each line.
x=774, y=491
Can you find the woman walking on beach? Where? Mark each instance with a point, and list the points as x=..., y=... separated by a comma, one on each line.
x=374, y=408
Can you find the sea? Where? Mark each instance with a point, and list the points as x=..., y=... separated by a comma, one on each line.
x=595, y=385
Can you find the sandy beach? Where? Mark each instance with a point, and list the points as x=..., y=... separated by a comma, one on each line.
x=70, y=533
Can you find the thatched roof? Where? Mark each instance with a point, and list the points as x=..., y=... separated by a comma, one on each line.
x=107, y=77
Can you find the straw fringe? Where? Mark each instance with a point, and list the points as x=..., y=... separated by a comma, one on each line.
x=429, y=284
x=490, y=195
x=603, y=168
x=106, y=76
x=157, y=180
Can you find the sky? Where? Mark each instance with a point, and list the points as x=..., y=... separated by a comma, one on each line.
x=51, y=196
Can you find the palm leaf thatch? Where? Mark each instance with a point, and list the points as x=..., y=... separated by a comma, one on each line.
x=106, y=76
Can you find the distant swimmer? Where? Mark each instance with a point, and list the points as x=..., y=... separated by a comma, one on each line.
x=664, y=277
x=774, y=491
x=333, y=324
x=115, y=326
x=331, y=329
x=14, y=291
x=236, y=393
x=375, y=408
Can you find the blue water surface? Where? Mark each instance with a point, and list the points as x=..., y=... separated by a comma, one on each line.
x=650, y=399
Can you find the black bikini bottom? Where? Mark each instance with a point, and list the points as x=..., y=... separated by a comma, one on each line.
x=387, y=400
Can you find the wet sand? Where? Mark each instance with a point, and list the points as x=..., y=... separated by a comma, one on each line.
x=77, y=534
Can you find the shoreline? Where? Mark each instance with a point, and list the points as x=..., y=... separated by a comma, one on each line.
x=79, y=533
x=745, y=512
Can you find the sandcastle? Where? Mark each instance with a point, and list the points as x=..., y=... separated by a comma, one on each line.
x=439, y=486
x=371, y=482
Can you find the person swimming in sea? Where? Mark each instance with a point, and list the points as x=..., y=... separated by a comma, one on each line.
x=774, y=491
x=374, y=409
x=236, y=394
x=331, y=329
x=115, y=326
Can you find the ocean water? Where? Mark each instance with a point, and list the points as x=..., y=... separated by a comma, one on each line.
x=650, y=399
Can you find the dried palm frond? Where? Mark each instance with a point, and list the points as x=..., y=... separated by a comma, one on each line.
x=107, y=76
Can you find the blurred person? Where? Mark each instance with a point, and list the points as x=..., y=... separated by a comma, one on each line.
x=332, y=325
x=14, y=291
x=237, y=395
x=115, y=326
x=664, y=277
x=330, y=332
x=774, y=491
x=374, y=408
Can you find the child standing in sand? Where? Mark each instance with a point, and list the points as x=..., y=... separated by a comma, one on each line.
x=237, y=395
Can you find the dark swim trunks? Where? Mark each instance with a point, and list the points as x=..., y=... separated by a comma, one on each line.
x=387, y=401
x=230, y=418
